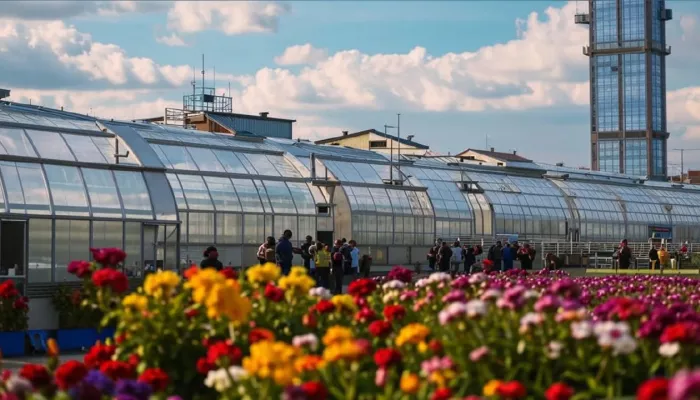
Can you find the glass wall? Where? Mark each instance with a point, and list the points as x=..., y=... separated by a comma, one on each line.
x=606, y=93
x=633, y=21
x=634, y=84
x=609, y=155
x=605, y=23
x=658, y=97
x=599, y=214
x=658, y=160
x=636, y=157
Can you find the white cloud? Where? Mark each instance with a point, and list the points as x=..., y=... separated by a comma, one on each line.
x=174, y=40
x=301, y=55
x=229, y=17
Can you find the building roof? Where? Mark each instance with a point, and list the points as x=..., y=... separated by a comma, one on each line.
x=378, y=133
x=4, y=93
x=246, y=116
x=496, y=154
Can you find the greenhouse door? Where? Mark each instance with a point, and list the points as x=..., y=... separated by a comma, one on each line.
x=13, y=248
x=160, y=247
x=150, y=241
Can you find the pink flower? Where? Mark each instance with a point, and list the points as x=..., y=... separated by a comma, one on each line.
x=478, y=353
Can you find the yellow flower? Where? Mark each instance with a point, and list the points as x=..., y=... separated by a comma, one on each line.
x=344, y=350
x=409, y=383
x=336, y=334
x=298, y=271
x=162, y=284
x=202, y=283
x=491, y=387
x=262, y=274
x=344, y=302
x=273, y=360
x=297, y=284
x=308, y=363
x=135, y=302
x=412, y=333
x=441, y=378
x=225, y=300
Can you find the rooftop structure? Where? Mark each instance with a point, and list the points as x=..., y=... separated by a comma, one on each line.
x=627, y=50
x=492, y=156
x=372, y=139
x=4, y=93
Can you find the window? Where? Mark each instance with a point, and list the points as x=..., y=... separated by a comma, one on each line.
x=67, y=190
x=634, y=86
x=103, y=193
x=377, y=144
x=658, y=160
x=604, y=23
x=633, y=21
x=606, y=93
x=636, y=157
x=609, y=155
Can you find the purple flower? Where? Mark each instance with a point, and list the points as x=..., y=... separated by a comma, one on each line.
x=134, y=389
x=455, y=296
x=684, y=385
x=293, y=393
x=400, y=274
x=99, y=381
x=547, y=303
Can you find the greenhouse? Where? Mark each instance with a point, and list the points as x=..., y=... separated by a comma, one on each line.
x=165, y=193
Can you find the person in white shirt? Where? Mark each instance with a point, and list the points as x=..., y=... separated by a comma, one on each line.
x=456, y=259
x=355, y=254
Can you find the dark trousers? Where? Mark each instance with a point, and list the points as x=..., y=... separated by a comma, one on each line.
x=338, y=275
x=323, y=277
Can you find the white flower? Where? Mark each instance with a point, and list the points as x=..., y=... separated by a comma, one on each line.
x=554, y=349
x=320, y=292
x=669, y=350
x=309, y=340
x=626, y=344
x=476, y=308
x=395, y=284
x=531, y=319
x=439, y=277
x=491, y=294
x=18, y=386
x=451, y=311
x=389, y=296
x=423, y=282
x=615, y=335
x=581, y=330
x=220, y=379
x=478, y=278
x=531, y=294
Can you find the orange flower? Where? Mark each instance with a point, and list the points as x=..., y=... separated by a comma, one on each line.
x=308, y=363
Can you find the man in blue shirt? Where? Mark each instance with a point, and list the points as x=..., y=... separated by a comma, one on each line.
x=285, y=252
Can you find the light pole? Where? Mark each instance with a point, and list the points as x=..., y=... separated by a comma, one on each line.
x=683, y=166
x=391, y=155
x=398, y=133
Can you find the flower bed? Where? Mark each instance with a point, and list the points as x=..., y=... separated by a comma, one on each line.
x=509, y=336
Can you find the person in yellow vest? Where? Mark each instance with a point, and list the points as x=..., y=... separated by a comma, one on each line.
x=323, y=265
x=664, y=257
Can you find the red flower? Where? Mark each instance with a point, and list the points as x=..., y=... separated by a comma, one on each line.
x=402, y=274
x=108, y=277
x=229, y=273
x=435, y=346
x=8, y=289
x=70, y=374
x=76, y=297
x=98, y=355
x=273, y=293
x=559, y=391
x=683, y=332
x=512, y=390
x=121, y=338
x=379, y=328
x=314, y=391
x=133, y=360
x=81, y=269
x=361, y=302
x=223, y=352
x=653, y=389
x=324, y=306
x=203, y=366
x=309, y=320
x=365, y=315
x=191, y=313
x=117, y=370
x=362, y=287
x=394, y=311
x=441, y=394
x=156, y=378
x=38, y=375
x=386, y=357
x=109, y=257
x=191, y=271
x=21, y=303
x=260, y=335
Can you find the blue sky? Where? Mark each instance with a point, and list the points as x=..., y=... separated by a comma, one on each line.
x=458, y=71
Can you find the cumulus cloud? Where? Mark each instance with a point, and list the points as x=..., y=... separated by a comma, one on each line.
x=229, y=17
x=301, y=55
x=52, y=54
x=173, y=40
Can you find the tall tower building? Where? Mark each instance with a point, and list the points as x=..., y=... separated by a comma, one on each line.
x=627, y=50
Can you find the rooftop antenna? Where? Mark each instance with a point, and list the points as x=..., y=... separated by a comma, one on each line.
x=229, y=88
x=202, y=79
x=215, y=79
x=194, y=81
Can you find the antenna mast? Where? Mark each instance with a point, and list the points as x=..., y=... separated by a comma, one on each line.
x=202, y=76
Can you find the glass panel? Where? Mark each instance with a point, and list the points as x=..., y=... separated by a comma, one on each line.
x=253, y=228
x=72, y=243
x=177, y=190
x=102, y=190
x=205, y=159
x=201, y=228
x=39, y=250
x=303, y=199
x=178, y=157
x=196, y=192
x=280, y=198
x=223, y=194
x=15, y=196
x=15, y=142
x=36, y=195
x=107, y=147
x=50, y=145
x=261, y=164
x=230, y=162
x=67, y=190
x=229, y=228
x=107, y=234
x=84, y=149
x=137, y=203
x=132, y=247
x=247, y=195
x=262, y=191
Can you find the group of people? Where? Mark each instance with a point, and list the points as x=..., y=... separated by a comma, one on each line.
x=444, y=258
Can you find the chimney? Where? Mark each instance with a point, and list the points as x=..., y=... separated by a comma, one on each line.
x=264, y=114
x=345, y=133
x=515, y=152
x=493, y=149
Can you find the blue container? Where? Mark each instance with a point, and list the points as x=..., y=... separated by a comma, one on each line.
x=105, y=333
x=12, y=344
x=76, y=339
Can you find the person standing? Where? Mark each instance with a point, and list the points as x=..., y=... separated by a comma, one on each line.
x=444, y=257
x=653, y=258
x=433, y=254
x=508, y=257
x=306, y=255
x=496, y=255
x=355, y=254
x=323, y=265
x=624, y=255
x=285, y=252
x=337, y=267
x=456, y=258
x=211, y=259
x=526, y=255
x=469, y=259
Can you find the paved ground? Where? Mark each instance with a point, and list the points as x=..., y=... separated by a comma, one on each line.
x=15, y=364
